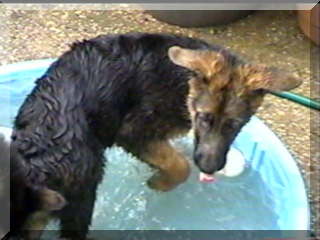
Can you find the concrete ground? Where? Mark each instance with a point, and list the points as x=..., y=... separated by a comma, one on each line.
x=269, y=37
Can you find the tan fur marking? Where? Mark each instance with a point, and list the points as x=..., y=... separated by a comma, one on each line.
x=36, y=224
x=51, y=200
x=225, y=89
x=173, y=168
x=269, y=78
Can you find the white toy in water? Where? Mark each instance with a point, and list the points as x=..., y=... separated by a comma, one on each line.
x=6, y=133
x=235, y=165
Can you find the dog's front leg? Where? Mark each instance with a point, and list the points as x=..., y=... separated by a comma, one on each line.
x=173, y=168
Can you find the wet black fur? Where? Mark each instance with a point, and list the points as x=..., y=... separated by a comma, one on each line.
x=119, y=89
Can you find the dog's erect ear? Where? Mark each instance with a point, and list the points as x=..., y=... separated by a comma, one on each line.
x=268, y=78
x=50, y=200
x=182, y=57
x=207, y=62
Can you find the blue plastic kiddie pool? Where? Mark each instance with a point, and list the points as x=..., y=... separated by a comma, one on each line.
x=269, y=195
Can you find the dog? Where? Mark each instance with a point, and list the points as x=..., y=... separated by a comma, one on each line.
x=137, y=91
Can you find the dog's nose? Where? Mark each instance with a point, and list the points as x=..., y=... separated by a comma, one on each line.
x=208, y=165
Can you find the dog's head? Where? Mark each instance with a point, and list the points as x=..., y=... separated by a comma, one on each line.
x=223, y=94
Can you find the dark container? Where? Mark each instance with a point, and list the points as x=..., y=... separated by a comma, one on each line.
x=198, y=18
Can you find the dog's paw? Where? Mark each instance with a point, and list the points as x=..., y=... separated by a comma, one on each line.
x=161, y=183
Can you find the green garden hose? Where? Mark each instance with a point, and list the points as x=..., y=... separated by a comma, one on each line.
x=302, y=100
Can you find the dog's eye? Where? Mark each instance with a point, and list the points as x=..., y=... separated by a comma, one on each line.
x=206, y=120
x=199, y=76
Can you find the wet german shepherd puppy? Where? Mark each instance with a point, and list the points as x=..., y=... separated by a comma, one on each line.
x=137, y=91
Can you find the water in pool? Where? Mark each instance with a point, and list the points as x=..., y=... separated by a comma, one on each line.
x=125, y=202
